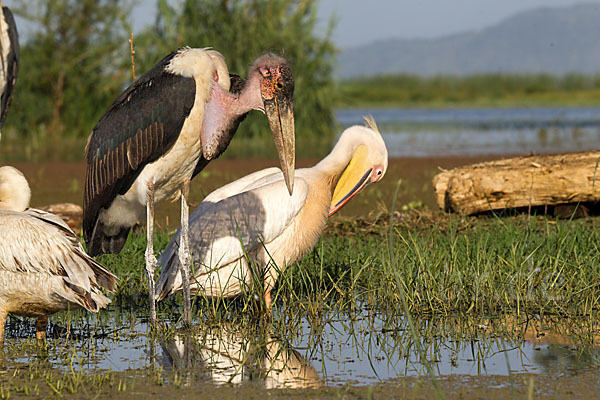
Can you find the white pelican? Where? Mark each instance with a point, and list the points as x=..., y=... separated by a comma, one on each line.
x=255, y=215
x=9, y=59
x=164, y=129
x=43, y=268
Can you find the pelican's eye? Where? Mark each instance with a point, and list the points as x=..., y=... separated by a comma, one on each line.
x=377, y=175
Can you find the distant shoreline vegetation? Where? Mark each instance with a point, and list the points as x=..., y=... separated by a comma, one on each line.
x=482, y=90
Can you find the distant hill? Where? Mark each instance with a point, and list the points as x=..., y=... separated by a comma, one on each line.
x=552, y=40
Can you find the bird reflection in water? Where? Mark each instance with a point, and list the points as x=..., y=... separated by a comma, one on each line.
x=229, y=354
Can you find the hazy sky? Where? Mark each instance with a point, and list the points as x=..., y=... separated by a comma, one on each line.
x=363, y=21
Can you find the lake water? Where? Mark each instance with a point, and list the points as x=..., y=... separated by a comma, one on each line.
x=481, y=131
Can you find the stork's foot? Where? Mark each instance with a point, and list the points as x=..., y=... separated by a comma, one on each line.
x=40, y=328
x=151, y=263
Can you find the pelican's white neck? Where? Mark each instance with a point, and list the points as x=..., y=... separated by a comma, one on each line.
x=340, y=156
x=14, y=190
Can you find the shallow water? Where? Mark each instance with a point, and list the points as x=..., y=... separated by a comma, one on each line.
x=337, y=350
x=482, y=131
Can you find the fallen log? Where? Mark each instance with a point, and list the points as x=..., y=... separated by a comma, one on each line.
x=531, y=181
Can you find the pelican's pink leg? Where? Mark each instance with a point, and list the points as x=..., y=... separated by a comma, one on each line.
x=268, y=300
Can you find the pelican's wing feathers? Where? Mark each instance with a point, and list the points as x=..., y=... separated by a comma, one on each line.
x=245, y=183
x=222, y=232
x=43, y=244
x=51, y=219
x=137, y=129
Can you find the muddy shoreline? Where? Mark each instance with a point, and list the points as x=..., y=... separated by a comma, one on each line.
x=59, y=182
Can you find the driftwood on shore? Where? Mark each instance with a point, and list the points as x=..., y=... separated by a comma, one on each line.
x=520, y=182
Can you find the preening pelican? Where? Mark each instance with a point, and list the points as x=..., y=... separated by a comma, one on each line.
x=9, y=59
x=164, y=129
x=255, y=216
x=43, y=268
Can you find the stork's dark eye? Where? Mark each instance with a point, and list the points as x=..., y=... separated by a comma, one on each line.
x=279, y=85
x=379, y=172
x=265, y=72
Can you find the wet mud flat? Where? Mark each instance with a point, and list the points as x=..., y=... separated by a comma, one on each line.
x=60, y=182
x=521, y=386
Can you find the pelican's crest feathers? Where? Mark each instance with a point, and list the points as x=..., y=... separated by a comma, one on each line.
x=371, y=122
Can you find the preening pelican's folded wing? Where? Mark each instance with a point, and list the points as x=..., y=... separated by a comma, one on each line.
x=238, y=186
x=231, y=189
x=222, y=233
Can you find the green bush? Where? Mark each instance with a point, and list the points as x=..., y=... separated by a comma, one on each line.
x=486, y=89
x=77, y=60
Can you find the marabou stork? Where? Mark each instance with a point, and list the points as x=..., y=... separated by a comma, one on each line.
x=255, y=219
x=9, y=59
x=43, y=268
x=164, y=129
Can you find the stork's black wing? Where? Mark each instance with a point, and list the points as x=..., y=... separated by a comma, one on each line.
x=138, y=128
x=9, y=65
x=236, y=87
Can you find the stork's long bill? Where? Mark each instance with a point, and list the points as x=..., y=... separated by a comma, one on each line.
x=277, y=92
x=281, y=120
x=357, y=175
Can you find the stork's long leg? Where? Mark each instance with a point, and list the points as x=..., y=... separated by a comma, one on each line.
x=184, y=254
x=150, y=258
